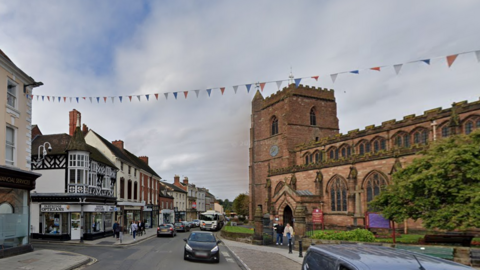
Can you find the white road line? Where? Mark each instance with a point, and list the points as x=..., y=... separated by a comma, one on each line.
x=230, y=260
x=225, y=254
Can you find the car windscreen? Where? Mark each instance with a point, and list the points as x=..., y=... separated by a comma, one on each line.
x=202, y=237
x=178, y=224
x=209, y=217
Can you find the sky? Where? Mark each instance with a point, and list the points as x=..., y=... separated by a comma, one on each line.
x=128, y=48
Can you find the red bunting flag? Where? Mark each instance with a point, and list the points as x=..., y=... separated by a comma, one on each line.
x=48, y=98
x=64, y=99
x=262, y=85
x=84, y=98
x=130, y=97
x=376, y=68
x=105, y=99
x=185, y=93
x=156, y=96
x=315, y=77
x=222, y=89
x=451, y=59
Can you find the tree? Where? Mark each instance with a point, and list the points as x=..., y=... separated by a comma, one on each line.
x=241, y=204
x=441, y=187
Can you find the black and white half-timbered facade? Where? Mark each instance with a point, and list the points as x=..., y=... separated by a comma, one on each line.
x=74, y=198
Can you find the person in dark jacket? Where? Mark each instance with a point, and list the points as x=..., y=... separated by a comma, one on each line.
x=116, y=229
x=280, y=230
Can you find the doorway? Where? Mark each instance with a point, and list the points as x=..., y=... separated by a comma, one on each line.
x=75, y=226
x=287, y=216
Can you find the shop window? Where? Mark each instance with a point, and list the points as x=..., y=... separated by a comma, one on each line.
x=6, y=208
x=94, y=222
x=10, y=146
x=56, y=223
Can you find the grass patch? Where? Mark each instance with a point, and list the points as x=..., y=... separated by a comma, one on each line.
x=404, y=238
x=236, y=229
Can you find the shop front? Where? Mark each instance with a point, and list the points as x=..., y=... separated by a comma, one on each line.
x=130, y=212
x=15, y=186
x=64, y=222
x=167, y=216
x=150, y=216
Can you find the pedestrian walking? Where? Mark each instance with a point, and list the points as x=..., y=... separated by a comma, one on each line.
x=140, y=231
x=116, y=230
x=289, y=233
x=280, y=229
x=134, y=230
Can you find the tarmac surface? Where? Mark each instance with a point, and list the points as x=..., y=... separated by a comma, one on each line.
x=249, y=257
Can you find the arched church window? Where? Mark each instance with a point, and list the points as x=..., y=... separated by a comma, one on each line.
x=313, y=117
x=317, y=157
x=338, y=195
x=374, y=184
x=6, y=208
x=420, y=136
x=402, y=140
x=274, y=125
x=363, y=147
x=468, y=127
x=477, y=124
x=379, y=144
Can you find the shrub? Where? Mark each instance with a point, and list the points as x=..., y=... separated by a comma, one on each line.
x=360, y=235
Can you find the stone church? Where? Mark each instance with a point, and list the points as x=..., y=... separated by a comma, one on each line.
x=300, y=162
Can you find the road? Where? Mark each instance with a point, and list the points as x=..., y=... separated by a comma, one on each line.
x=155, y=253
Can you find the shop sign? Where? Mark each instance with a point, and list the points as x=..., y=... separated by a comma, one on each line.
x=54, y=208
x=98, y=208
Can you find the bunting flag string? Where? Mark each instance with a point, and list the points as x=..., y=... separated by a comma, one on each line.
x=450, y=59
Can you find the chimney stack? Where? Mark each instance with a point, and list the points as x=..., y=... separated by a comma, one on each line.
x=118, y=144
x=185, y=180
x=75, y=117
x=84, y=129
x=176, y=180
x=144, y=159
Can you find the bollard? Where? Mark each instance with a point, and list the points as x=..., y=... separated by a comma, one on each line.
x=121, y=236
x=290, y=246
x=300, y=248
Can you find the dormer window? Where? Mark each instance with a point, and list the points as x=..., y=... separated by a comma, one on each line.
x=78, y=167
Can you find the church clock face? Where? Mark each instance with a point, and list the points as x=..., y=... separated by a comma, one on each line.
x=274, y=150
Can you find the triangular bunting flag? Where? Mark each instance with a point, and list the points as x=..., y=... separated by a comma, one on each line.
x=59, y=98
x=375, y=68
x=37, y=97
x=315, y=77
x=84, y=98
x=451, y=59
x=397, y=68
x=235, y=88
x=196, y=92
x=175, y=95
x=53, y=98
x=70, y=99
x=105, y=99
x=334, y=77
x=77, y=99
x=248, y=87
x=43, y=98
x=147, y=96
x=113, y=99
x=279, y=83
x=354, y=71
x=426, y=61
x=477, y=53
x=48, y=98
x=98, y=100
x=185, y=93
x=138, y=96
x=222, y=89
x=297, y=81
x=166, y=95
x=64, y=99
x=156, y=96
x=130, y=97
x=262, y=85
x=209, y=91
x=120, y=97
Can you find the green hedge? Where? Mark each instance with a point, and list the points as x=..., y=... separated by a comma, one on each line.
x=360, y=235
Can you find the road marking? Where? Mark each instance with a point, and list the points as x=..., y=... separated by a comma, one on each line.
x=230, y=260
x=225, y=254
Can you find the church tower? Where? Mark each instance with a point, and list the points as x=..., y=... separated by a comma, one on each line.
x=279, y=123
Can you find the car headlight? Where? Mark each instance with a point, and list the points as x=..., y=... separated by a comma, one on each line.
x=215, y=249
x=187, y=247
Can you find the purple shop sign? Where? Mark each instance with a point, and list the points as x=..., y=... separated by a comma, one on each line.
x=377, y=221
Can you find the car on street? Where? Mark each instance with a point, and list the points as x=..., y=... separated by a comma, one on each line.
x=202, y=246
x=369, y=257
x=182, y=227
x=196, y=222
x=166, y=229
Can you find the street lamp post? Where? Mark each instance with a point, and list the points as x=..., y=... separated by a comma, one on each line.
x=40, y=158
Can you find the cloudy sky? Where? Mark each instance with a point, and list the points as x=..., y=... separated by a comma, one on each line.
x=121, y=48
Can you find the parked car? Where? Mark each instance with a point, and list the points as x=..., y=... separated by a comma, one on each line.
x=202, y=246
x=196, y=222
x=166, y=229
x=182, y=226
x=359, y=257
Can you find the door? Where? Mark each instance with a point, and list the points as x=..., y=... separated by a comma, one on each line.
x=75, y=226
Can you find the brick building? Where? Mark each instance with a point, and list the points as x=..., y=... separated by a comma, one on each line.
x=299, y=161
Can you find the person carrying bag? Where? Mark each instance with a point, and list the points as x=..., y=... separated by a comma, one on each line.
x=289, y=233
